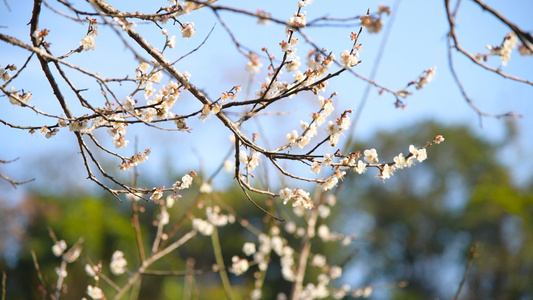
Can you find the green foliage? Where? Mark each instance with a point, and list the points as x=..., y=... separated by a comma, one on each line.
x=424, y=220
x=417, y=227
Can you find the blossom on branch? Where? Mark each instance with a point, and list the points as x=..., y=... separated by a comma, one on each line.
x=118, y=263
x=88, y=42
x=187, y=30
x=349, y=59
x=95, y=292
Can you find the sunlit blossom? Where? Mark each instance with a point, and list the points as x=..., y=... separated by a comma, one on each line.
x=118, y=263
x=59, y=247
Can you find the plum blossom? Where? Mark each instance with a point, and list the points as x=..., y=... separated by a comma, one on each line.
x=335, y=272
x=386, y=172
x=323, y=233
x=157, y=194
x=172, y=41
x=216, y=218
x=419, y=154
x=118, y=263
x=248, y=248
x=318, y=260
x=399, y=161
x=292, y=137
x=371, y=156
x=95, y=292
x=239, y=266
x=202, y=226
x=185, y=183
x=315, y=167
x=328, y=159
x=372, y=24
x=92, y=270
x=61, y=272
x=349, y=59
x=426, y=78
x=59, y=247
x=88, y=42
x=298, y=20
x=128, y=104
x=293, y=64
x=187, y=30
x=360, y=168
x=438, y=139
x=205, y=113
x=285, y=194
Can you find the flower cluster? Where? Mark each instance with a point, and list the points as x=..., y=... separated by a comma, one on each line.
x=202, y=226
x=231, y=94
x=214, y=218
x=4, y=74
x=261, y=254
x=426, y=77
x=135, y=160
x=95, y=292
x=18, y=99
x=185, y=182
x=40, y=35
x=298, y=197
x=70, y=256
x=59, y=247
x=296, y=21
x=118, y=263
x=263, y=17
x=352, y=161
x=349, y=59
x=335, y=129
x=118, y=131
x=504, y=50
x=250, y=161
x=254, y=65
x=331, y=181
x=399, y=162
x=163, y=101
x=239, y=265
x=88, y=42
x=310, y=130
x=187, y=30
x=373, y=23
x=171, y=42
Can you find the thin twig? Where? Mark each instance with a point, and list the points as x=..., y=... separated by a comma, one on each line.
x=473, y=256
x=220, y=263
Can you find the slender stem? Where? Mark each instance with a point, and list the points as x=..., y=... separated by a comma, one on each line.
x=473, y=256
x=44, y=292
x=137, y=226
x=60, y=278
x=149, y=261
x=4, y=279
x=304, y=255
x=220, y=262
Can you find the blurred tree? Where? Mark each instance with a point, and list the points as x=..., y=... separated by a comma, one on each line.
x=106, y=225
x=423, y=223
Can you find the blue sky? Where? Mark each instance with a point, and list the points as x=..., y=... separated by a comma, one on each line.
x=417, y=42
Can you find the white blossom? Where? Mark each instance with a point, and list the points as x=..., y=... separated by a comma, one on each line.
x=59, y=247
x=239, y=265
x=118, y=263
x=248, y=248
x=94, y=292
